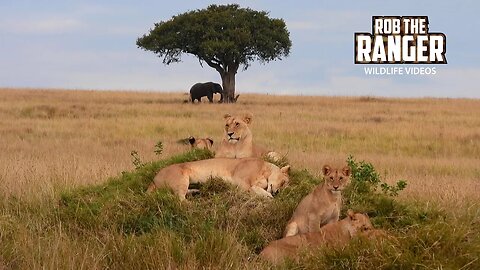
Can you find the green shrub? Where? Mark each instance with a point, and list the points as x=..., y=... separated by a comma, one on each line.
x=365, y=179
x=363, y=195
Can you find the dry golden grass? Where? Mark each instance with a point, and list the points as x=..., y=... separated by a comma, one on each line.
x=57, y=140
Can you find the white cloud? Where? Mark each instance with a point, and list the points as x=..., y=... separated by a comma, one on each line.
x=301, y=25
x=41, y=26
x=330, y=21
x=320, y=63
x=448, y=82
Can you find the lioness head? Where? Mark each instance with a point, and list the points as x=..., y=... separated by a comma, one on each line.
x=277, y=179
x=206, y=143
x=336, y=179
x=359, y=223
x=236, y=127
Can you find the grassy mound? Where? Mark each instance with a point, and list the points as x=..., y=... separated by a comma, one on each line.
x=122, y=205
x=117, y=225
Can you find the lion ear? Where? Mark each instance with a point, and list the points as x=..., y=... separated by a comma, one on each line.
x=326, y=170
x=346, y=171
x=285, y=169
x=191, y=140
x=226, y=116
x=210, y=140
x=247, y=118
x=351, y=214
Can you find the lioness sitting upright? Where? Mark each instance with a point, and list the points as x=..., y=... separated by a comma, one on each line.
x=333, y=234
x=251, y=174
x=238, y=141
x=322, y=206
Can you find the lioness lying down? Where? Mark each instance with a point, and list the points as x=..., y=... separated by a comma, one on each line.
x=204, y=143
x=250, y=174
x=332, y=234
x=238, y=140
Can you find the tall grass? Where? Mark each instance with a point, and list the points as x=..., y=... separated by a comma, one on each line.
x=65, y=203
x=118, y=225
x=52, y=140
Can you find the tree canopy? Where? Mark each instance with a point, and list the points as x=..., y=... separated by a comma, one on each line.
x=224, y=37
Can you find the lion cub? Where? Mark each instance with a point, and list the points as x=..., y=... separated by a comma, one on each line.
x=322, y=206
x=332, y=234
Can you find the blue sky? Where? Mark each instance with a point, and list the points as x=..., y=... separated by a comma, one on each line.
x=91, y=45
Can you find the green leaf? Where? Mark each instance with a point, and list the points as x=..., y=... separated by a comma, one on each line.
x=223, y=36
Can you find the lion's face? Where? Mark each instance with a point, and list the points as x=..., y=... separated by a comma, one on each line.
x=278, y=179
x=236, y=127
x=335, y=179
x=360, y=222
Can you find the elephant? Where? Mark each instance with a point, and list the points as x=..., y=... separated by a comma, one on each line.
x=207, y=89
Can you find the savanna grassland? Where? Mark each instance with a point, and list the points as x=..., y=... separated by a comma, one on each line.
x=61, y=150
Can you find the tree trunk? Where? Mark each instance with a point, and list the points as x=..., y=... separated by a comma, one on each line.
x=228, y=84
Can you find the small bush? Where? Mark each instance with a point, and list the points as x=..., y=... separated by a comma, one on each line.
x=365, y=179
x=363, y=195
x=158, y=148
x=136, y=161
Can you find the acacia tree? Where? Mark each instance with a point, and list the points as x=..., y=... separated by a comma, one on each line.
x=223, y=36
